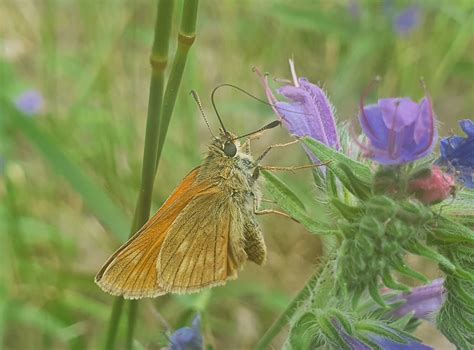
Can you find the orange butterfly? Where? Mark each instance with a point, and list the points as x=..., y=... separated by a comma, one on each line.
x=202, y=234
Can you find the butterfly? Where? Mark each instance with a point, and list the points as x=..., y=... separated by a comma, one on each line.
x=203, y=233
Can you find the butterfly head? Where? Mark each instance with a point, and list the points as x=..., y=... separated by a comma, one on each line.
x=227, y=143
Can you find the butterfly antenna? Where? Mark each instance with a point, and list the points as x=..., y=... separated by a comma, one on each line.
x=270, y=125
x=215, y=108
x=239, y=89
x=250, y=95
x=199, y=104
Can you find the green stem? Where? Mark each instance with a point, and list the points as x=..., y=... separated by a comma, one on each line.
x=283, y=319
x=132, y=321
x=114, y=323
x=159, y=58
x=186, y=36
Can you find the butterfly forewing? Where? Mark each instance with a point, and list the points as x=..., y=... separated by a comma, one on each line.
x=131, y=270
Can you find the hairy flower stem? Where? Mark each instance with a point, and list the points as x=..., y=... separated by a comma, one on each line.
x=284, y=318
x=186, y=36
x=159, y=58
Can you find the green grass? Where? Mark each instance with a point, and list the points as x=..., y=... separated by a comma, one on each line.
x=70, y=176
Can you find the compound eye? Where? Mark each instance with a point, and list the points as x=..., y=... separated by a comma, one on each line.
x=230, y=149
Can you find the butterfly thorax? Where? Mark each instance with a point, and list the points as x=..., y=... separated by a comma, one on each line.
x=236, y=173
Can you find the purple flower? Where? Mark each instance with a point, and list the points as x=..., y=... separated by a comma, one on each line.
x=309, y=112
x=354, y=9
x=354, y=343
x=399, y=130
x=458, y=152
x=188, y=338
x=388, y=344
x=423, y=301
x=407, y=21
x=30, y=102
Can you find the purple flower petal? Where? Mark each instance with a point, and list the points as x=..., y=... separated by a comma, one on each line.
x=467, y=126
x=325, y=109
x=423, y=301
x=30, y=102
x=308, y=112
x=373, y=125
x=385, y=343
x=315, y=113
x=458, y=153
x=388, y=344
x=399, y=130
x=188, y=338
x=398, y=113
x=354, y=343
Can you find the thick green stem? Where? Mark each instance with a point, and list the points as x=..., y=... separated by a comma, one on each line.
x=159, y=58
x=186, y=38
x=283, y=319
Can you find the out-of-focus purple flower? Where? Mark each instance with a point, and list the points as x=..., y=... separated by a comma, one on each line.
x=458, y=152
x=308, y=114
x=30, y=102
x=424, y=301
x=354, y=9
x=188, y=338
x=384, y=343
x=407, y=21
x=399, y=130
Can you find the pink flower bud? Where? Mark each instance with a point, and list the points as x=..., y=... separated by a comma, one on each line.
x=433, y=188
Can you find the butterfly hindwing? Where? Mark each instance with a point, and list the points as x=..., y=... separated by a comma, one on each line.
x=204, y=247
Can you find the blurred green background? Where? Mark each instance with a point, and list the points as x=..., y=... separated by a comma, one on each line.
x=69, y=173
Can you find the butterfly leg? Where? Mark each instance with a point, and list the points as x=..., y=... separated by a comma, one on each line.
x=277, y=145
x=256, y=211
x=290, y=168
x=247, y=143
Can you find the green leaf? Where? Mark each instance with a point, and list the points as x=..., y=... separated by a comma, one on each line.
x=344, y=321
x=379, y=328
x=331, y=332
x=335, y=159
x=290, y=203
x=403, y=269
x=96, y=199
x=448, y=231
x=388, y=280
x=422, y=250
x=303, y=332
x=282, y=188
x=375, y=294
x=348, y=212
x=450, y=324
x=361, y=189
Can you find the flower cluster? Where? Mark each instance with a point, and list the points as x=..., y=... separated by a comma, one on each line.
x=387, y=208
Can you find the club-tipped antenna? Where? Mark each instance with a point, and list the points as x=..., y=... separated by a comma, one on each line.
x=250, y=95
x=199, y=104
x=270, y=125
